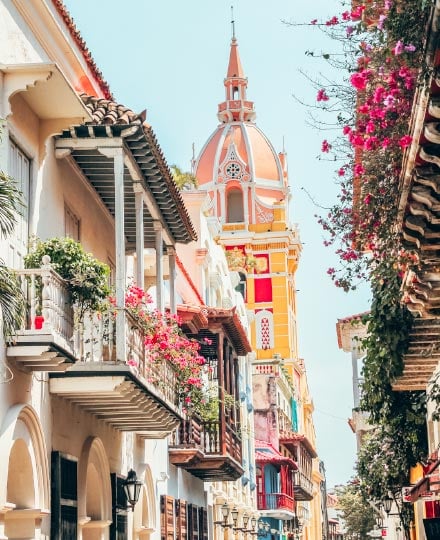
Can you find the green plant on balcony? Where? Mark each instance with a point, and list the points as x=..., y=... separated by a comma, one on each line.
x=208, y=409
x=85, y=276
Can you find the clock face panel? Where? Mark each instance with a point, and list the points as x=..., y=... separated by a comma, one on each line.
x=234, y=170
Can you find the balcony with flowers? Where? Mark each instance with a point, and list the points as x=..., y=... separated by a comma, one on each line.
x=71, y=330
x=208, y=441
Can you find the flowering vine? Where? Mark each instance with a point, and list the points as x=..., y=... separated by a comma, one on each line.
x=383, y=42
x=165, y=342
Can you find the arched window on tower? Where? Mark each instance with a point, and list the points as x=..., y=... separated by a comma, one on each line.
x=235, y=212
x=235, y=92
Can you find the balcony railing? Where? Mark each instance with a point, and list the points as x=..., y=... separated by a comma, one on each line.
x=303, y=487
x=90, y=340
x=275, y=501
x=206, y=450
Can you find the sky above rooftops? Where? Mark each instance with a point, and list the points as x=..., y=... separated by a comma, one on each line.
x=170, y=57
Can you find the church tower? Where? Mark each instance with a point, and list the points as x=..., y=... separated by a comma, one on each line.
x=247, y=183
x=248, y=191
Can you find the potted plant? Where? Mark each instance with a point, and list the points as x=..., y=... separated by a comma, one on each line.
x=85, y=276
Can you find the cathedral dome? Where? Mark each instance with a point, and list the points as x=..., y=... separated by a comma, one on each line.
x=238, y=156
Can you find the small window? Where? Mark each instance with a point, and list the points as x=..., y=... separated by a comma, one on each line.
x=235, y=93
x=71, y=223
x=235, y=206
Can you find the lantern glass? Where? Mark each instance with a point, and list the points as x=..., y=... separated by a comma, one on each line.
x=245, y=520
x=132, y=488
x=387, y=502
x=225, y=511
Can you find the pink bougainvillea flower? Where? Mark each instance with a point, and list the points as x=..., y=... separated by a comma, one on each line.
x=341, y=171
x=389, y=101
x=358, y=169
x=345, y=16
x=346, y=130
x=386, y=141
x=321, y=95
x=349, y=30
x=359, y=80
x=398, y=49
x=331, y=22
x=367, y=198
x=381, y=21
x=410, y=48
x=326, y=146
x=370, y=127
x=405, y=141
x=313, y=21
x=356, y=13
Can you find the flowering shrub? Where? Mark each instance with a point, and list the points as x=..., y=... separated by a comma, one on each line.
x=383, y=42
x=165, y=342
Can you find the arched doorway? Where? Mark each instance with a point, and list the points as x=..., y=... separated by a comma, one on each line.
x=24, y=497
x=94, y=492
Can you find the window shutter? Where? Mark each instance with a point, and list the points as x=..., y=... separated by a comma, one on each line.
x=118, y=528
x=181, y=527
x=203, y=524
x=64, y=497
x=167, y=517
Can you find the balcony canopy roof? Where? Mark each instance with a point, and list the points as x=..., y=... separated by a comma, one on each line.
x=112, y=125
x=266, y=453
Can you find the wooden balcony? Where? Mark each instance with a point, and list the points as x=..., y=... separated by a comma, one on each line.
x=276, y=505
x=81, y=359
x=208, y=450
x=303, y=453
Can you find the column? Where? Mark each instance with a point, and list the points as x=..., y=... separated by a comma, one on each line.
x=172, y=277
x=118, y=166
x=139, y=201
x=159, y=266
x=222, y=194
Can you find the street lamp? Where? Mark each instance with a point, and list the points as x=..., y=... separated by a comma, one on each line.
x=225, y=514
x=132, y=488
x=387, y=503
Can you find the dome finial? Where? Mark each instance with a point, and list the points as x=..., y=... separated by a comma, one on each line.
x=233, y=23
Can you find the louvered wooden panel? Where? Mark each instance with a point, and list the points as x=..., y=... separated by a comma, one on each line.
x=182, y=522
x=203, y=524
x=167, y=521
x=193, y=522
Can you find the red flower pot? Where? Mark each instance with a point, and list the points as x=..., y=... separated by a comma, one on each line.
x=38, y=321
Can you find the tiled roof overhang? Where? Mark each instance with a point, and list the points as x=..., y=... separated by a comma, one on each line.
x=203, y=320
x=112, y=120
x=230, y=321
x=266, y=453
x=74, y=32
x=419, y=222
x=289, y=437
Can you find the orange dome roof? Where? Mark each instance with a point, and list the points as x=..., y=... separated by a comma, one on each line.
x=244, y=145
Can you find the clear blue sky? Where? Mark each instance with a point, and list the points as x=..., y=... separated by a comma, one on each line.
x=170, y=57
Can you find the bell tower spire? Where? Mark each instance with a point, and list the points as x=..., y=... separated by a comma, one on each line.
x=236, y=107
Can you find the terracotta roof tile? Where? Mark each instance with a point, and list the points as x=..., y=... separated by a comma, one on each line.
x=74, y=32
